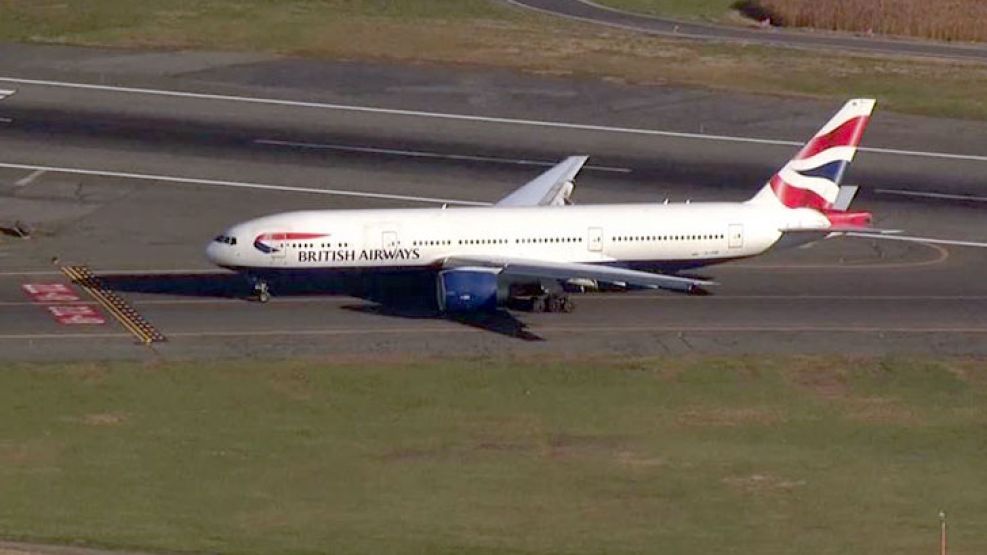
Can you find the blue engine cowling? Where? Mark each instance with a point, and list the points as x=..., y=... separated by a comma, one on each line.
x=467, y=290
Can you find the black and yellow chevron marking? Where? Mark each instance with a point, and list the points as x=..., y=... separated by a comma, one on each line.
x=114, y=304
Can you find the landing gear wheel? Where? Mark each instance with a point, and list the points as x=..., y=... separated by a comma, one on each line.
x=538, y=304
x=567, y=305
x=261, y=291
x=554, y=304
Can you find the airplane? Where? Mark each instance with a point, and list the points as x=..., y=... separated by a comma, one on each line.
x=535, y=245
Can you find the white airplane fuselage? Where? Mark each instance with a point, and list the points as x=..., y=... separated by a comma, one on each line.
x=647, y=236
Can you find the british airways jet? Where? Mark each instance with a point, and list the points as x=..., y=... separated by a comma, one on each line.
x=535, y=245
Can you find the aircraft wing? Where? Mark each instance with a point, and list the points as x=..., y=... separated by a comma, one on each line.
x=551, y=188
x=575, y=270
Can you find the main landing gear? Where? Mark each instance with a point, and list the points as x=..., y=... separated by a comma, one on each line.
x=552, y=303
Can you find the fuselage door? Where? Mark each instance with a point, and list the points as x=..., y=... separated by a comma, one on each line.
x=389, y=240
x=735, y=236
x=594, y=239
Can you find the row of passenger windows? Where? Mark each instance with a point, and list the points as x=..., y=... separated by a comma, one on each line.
x=708, y=237
x=433, y=243
x=535, y=240
x=318, y=245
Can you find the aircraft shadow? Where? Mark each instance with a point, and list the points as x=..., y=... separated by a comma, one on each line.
x=397, y=296
x=500, y=322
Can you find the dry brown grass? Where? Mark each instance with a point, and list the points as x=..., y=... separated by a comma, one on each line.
x=951, y=20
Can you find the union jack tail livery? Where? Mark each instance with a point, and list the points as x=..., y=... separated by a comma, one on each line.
x=812, y=179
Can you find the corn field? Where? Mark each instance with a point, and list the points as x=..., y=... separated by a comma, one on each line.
x=952, y=20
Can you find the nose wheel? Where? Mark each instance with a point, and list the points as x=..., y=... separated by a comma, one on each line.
x=261, y=291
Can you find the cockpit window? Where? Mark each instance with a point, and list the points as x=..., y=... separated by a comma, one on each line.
x=225, y=239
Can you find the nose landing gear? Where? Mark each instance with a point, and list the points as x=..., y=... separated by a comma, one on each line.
x=262, y=292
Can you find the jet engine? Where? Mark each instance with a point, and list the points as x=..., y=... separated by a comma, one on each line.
x=467, y=289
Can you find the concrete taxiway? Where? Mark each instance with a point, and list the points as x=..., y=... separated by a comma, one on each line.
x=133, y=176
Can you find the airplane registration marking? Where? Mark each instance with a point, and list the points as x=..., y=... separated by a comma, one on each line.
x=475, y=118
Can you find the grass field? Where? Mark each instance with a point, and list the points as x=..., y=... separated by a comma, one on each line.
x=795, y=455
x=487, y=33
x=713, y=10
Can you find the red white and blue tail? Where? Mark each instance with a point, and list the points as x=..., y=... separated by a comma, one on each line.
x=812, y=179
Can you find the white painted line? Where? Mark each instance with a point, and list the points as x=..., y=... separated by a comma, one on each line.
x=422, y=154
x=466, y=117
x=168, y=272
x=4, y=93
x=922, y=154
x=241, y=184
x=6, y=120
x=33, y=336
x=27, y=180
x=923, y=194
x=928, y=240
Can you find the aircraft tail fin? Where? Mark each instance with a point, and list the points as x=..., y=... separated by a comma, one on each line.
x=812, y=178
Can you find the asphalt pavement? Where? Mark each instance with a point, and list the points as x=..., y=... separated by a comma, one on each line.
x=134, y=183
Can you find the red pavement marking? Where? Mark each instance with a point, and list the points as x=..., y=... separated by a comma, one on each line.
x=69, y=315
x=76, y=315
x=50, y=292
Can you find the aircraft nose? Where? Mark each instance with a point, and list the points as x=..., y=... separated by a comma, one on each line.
x=214, y=254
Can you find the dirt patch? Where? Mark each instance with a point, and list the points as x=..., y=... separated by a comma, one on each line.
x=293, y=383
x=973, y=372
x=412, y=454
x=461, y=452
x=822, y=378
x=879, y=410
x=634, y=460
x=35, y=453
x=89, y=373
x=104, y=419
x=728, y=417
x=18, y=548
x=565, y=446
x=763, y=483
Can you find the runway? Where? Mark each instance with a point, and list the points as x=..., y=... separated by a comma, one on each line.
x=591, y=12
x=134, y=184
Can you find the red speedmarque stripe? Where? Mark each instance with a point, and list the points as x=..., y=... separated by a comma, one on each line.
x=793, y=197
x=284, y=236
x=848, y=134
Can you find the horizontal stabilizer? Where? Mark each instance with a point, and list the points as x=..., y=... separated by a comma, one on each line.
x=845, y=197
x=842, y=229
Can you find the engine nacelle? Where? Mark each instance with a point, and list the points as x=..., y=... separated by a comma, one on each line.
x=467, y=289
